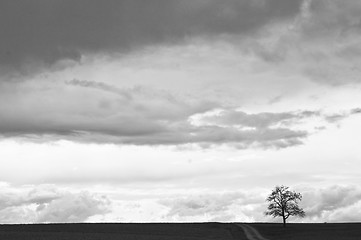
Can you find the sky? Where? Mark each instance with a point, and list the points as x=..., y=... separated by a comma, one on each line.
x=178, y=110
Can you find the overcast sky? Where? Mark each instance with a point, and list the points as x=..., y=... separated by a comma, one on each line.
x=178, y=110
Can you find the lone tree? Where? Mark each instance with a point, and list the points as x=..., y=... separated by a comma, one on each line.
x=284, y=203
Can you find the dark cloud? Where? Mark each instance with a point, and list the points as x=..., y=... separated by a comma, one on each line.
x=333, y=18
x=94, y=111
x=258, y=120
x=100, y=86
x=278, y=138
x=355, y=111
x=329, y=32
x=145, y=116
x=337, y=117
x=138, y=112
x=90, y=111
x=43, y=32
x=146, y=132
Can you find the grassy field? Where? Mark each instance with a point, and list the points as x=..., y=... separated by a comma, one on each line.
x=178, y=231
x=308, y=231
x=151, y=231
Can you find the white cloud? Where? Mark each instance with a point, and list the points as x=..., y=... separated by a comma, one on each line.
x=73, y=208
x=228, y=206
x=47, y=203
x=333, y=203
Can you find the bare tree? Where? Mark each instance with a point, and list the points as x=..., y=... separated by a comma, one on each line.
x=284, y=203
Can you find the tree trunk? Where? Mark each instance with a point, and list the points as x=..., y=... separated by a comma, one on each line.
x=284, y=221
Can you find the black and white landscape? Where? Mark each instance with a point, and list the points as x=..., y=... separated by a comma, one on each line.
x=178, y=110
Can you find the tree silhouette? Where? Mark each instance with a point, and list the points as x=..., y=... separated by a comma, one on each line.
x=284, y=203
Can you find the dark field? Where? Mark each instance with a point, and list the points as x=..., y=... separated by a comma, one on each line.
x=124, y=231
x=308, y=231
x=178, y=231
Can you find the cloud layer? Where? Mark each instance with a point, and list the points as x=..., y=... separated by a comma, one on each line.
x=262, y=34
x=44, y=32
x=91, y=111
x=143, y=116
x=335, y=203
x=338, y=203
x=46, y=203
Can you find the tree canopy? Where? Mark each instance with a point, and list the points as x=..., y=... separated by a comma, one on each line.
x=284, y=203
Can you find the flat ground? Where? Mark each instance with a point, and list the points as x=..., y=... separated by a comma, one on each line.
x=124, y=231
x=310, y=231
x=179, y=231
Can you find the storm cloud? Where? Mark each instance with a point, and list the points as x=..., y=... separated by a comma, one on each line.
x=43, y=32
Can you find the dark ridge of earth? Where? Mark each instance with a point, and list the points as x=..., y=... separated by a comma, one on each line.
x=178, y=231
x=123, y=231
